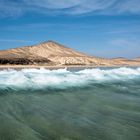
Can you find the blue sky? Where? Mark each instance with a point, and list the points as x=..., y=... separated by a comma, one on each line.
x=105, y=28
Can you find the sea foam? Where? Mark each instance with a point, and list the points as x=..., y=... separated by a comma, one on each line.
x=63, y=78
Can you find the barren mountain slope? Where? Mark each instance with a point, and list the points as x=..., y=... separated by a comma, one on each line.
x=52, y=53
x=137, y=59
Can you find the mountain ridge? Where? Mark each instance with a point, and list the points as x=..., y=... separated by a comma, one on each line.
x=53, y=53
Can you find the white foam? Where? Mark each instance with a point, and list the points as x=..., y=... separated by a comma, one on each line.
x=62, y=78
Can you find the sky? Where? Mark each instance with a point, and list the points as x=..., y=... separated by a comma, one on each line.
x=103, y=28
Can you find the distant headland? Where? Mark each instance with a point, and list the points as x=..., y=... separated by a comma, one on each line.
x=52, y=54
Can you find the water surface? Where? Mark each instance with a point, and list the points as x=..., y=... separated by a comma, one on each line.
x=89, y=104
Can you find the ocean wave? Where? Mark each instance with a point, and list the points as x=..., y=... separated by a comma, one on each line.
x=63, y=78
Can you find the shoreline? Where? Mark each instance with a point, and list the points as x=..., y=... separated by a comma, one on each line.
x=18, y=67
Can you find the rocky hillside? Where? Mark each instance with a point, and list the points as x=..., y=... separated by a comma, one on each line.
x=52, y=53
x=137, y=59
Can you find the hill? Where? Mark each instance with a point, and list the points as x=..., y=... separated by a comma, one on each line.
x=51, y=53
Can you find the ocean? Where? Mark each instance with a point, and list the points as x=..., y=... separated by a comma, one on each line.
x=70, y=104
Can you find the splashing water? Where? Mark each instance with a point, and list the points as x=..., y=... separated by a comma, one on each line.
x=62, y=78
x=88, y=104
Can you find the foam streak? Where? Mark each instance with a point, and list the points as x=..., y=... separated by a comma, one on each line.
x=62, y=78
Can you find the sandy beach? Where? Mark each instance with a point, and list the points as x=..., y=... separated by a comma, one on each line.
x=59, y=66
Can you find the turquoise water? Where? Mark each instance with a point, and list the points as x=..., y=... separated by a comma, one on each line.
x=89, y=104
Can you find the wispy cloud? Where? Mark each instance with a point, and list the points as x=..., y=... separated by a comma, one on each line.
x=118, y=47
x=50, y=27
x=10, y=8
x=119, y=42
x=124, y=42
x=131, y=6
x=69, y=7
x=54, y=4
x=16, y=41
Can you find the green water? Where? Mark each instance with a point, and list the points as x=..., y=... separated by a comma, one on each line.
x=96, y=111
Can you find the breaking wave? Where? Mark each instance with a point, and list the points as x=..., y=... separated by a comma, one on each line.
x=63, y=78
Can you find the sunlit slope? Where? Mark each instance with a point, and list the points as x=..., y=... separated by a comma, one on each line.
x=52, y=53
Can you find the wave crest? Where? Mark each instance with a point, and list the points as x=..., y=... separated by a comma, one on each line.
x=62, y=78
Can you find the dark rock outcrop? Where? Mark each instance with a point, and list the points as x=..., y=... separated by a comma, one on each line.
x=23, y=61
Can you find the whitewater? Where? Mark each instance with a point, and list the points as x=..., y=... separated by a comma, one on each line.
x=63, y=78
x=70, y=104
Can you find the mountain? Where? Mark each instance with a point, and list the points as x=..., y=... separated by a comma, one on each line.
x=137, y=59
x=55, y=54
